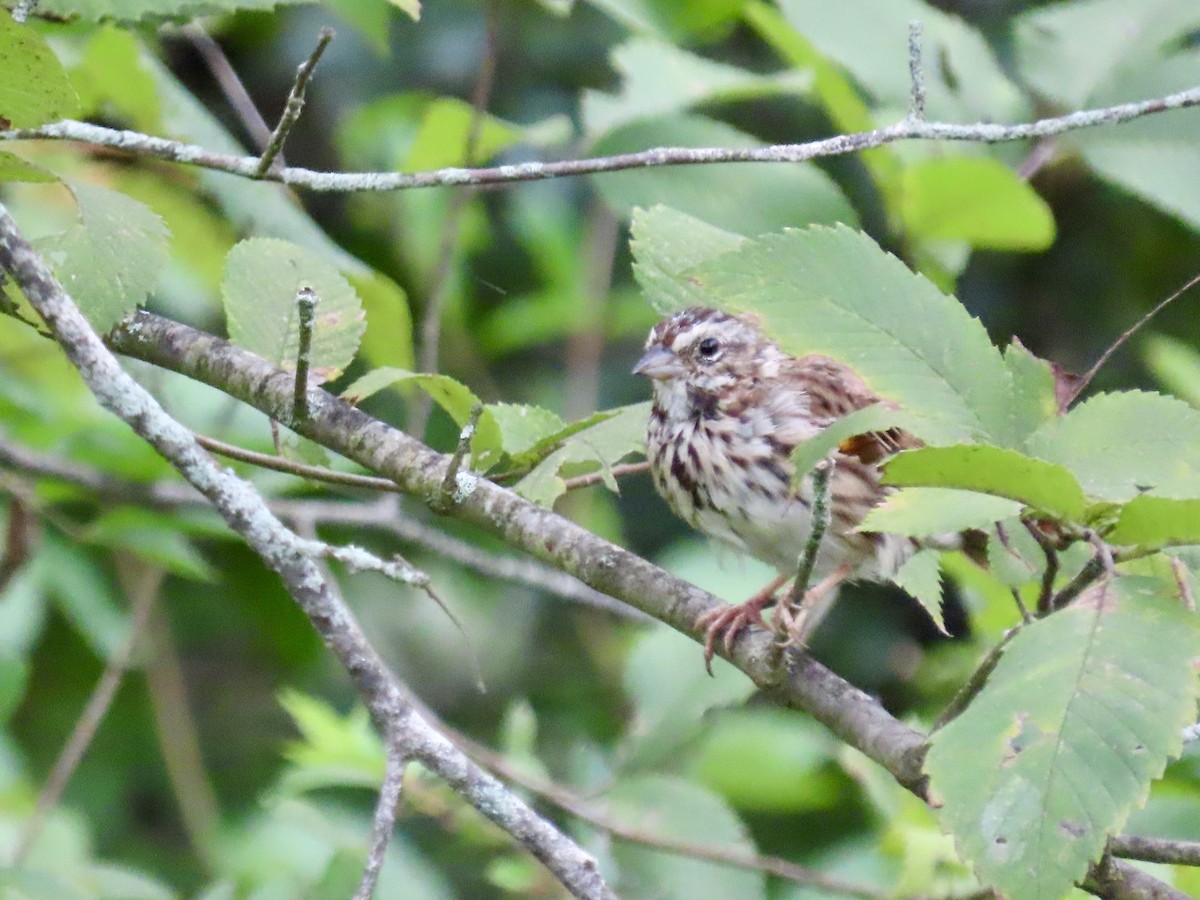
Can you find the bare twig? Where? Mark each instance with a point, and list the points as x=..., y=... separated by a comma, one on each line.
x=1049, y=574
x=441, y=281
x=618, y=471
x=231, y=85
x=975, y=683
x=1091, y=570
x=23, y=10
x=384, y=822
x=291, y=467
x=822, y=473
x=457, y=482
x=287, y=554
x=916, y=75
x=1156, y=850
x=1184, y=583
x=142, y=584
x=247, y=166
x=1129, y=332
x=295, y=103
x=306, y=308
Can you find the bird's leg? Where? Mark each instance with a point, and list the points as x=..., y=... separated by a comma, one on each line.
x=791, y=617
x=726, y=622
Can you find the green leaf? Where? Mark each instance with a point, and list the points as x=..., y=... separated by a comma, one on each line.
x=681, y=21
x=1119, y=445
x=14, y=168
x=671, y=807
x=112, y=258
x=1175, y=364
x=441, y=138
x=110, y=76
x=769, y=197
x=659, y=79
x=930, y=511
x=523, y=427
x=1081, y=714
x=155, y=537
x=1147, y=521
x=1042, y=485
x=975, y=199
x=921, y=578
x=599, y=446
x=453, y=396
x=665, y=244
x=262, y=277
x=333, y=750
x=388, y=338
x=834, y=291
x=83, y=594
x=34, y=89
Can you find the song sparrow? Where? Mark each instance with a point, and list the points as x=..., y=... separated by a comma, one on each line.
x=729, y=408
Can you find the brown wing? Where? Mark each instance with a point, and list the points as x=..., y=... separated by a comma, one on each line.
x=835, y=390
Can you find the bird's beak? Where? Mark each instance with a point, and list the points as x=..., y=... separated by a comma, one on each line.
x=658, y=363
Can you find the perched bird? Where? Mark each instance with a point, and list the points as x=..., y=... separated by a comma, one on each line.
x=729, y=408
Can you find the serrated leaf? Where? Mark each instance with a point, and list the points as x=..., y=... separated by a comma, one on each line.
x=112, y=258
x=14, y=168
x=600, y=446
x=665, y=244
x=770, y=198
x=1081, y=714
x=929, y=511
x=921, y=578
x=453, y=396
x=35, y=89
x=334, y=750
x=1147, y=521
x=522, y=427
x=1119, y=445
x=975, y=199
x=1037, y=483
x=834, y=291
x=261, y=279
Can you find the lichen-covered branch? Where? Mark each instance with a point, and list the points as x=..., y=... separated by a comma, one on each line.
x=909, y=129
x=289, y=556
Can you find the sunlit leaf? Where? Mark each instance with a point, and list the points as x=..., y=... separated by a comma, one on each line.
x=1157, y=522
x=667, y=243
x=35, y=89
x=14, y=168
x=975, y=199
x=1175, y=364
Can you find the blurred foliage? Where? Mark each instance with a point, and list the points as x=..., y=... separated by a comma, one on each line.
x=234, y=762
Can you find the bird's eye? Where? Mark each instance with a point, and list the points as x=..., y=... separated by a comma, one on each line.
x=708, y=347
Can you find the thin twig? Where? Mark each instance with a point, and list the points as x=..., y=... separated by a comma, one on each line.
x=142, y=584
x=1026, y=615
x=1050, y=573
x=340, y=182
x=1040, y=155
x=569, y=802
x=231, y=85
x=457, y=481
x=1091, y=570
x=295, y=102
x=441, y=281
x=1184, y=583
x=306, y=308
x=916, y=75
x=179, y=741
x=1156, y=850
x=821, y=517
x=975, y=683
x=384, y=822
x=1129, y=332
x=299, y=469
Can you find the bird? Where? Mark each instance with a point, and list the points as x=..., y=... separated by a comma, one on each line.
x=729, y=407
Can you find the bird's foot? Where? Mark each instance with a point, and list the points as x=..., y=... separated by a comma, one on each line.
x=725, y=623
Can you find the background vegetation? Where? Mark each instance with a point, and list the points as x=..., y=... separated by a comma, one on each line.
x=234, y=760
